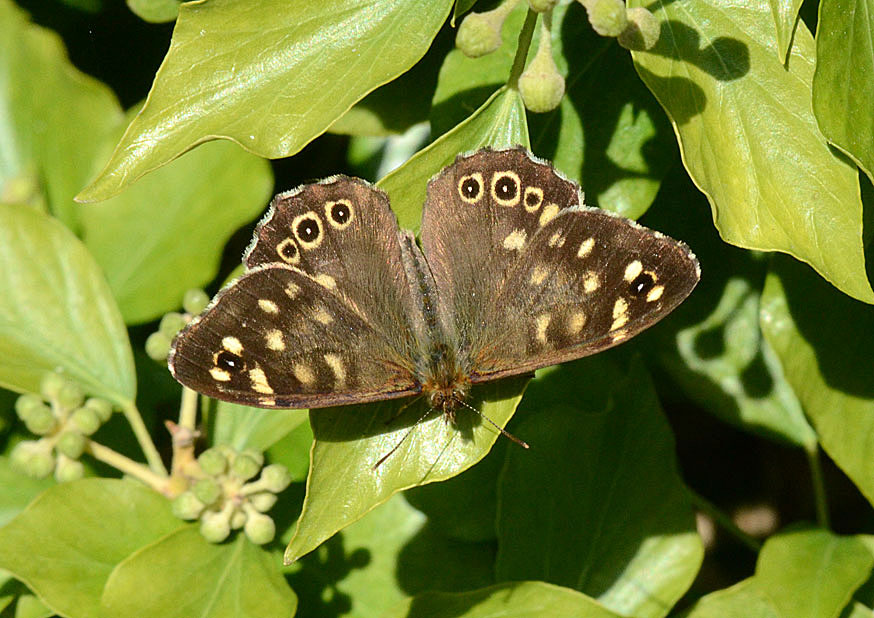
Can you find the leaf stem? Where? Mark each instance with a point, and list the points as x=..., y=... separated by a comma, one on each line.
x=185, y=434
x=705, y=506
x=819, y=495
x=188, y=409
x=126, y=465
x=133, y=416
x=525, y=37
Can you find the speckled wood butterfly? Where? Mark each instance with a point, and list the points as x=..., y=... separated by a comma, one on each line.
x=338, y=306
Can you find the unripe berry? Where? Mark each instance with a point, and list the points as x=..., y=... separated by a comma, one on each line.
x=40, y=420
x=238, y=520
x=171, y=324
x=245, y=467
x=607, y=17
x=263, y=501
x=213, y=462
x=195, y=301
x=259, y=528
x=85, y=420
x=51, y=384
x=643, y=30
x=68, y=470
x=32, y=458
x=207, y=491
x=480, y=33
x=541, y=85
x=275, y=478
x=158, y=346
x=26, y=404
x=101, y=407
x=541, y=6
x=214, y=526
x=71, y=444
x=70, y=395
x=186, y=506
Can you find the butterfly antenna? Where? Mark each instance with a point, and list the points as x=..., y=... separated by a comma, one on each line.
x=503, y=431
x=402, y=440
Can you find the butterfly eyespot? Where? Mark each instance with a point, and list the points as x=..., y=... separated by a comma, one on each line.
x=230, y=362
x=533, y=198
x=470, y=187
x=642, y=284
x=287, y=251
x=339, y=213
x=505, y=188
x=307, y=229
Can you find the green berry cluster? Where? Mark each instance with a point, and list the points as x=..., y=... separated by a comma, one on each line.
x=635, y=29
x=64, y=420
x=158, y=343
x=224, y=496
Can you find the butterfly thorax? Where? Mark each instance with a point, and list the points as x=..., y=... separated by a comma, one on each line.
x=446, y=384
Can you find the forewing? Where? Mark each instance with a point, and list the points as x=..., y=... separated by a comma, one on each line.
x=277, y=337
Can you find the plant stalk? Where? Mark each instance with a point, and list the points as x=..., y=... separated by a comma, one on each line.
x=525, y=37
x=705, y=506
x=126, y=465
x=133, y=416
x=819, y=496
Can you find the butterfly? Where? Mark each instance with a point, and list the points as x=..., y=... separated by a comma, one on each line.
x=514, y=273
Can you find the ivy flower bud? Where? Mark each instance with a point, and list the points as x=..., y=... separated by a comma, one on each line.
x=643, y=30
x=51, y=385
x=207, y=491
x=608, y=17
x=26, y=403
x=68, y=470
x=275, y=478
x=85, y=420
x=213, y=462
x=71, y=444
x=32, y=458
x=158, y=346
x=40, y=420
x=171, y=324
x=186, y=506
x=101, y=407
x=263, y=501
x=480, y=33
x=195, y=301
x=70, y=395
x=214, y=526
x=541, y=85
x=259, y=528
x=245, y=467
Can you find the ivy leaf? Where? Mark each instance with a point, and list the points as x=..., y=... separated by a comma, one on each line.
x=743, y=600
x=749, y=138
x=843, y=84
x=65, y=545
x=53, y=126
x=828, y=364
x=343, y=486
x=610, y=459
x=235, y=579
x=57, y=312
x=268, y=74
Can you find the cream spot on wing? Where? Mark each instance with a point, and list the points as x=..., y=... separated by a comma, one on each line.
x=275, y=340
x=515, y=240
x=586, y=247
x=548, y=214
x=267, y=401
x=541, y=323
x=620, y=314
x=538, y=274
x=557, y=240
x=322, y=317
x=590, y=282
x=232, y=345
x=259, y=381
x=268, y=306
x=619, y=335
x=633, y=270
x=303, y=374
x=219, y=374
x=326, y=281
x=576, y=323
x=655, y=293
x=336, y=365
x=292, y=290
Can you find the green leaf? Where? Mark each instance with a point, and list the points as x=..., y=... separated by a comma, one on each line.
x=743, y=600
x=812, y=573
x=154, y=11
x=712, y=345
x=857, y=610
x=824, y=341
x=499, y=123
x=29, y=606
x=52, y=127
x=18, y=490
x=785, y=15
x=370, y=570
x=343, y=485
x=67, y=542
x=152, y=255
x=268, y=74
x=516, y=600
x=749, y=138
x=843, y=84
x=56, y=311
x=610, y=471
x=244, y=427
x=197, y=578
